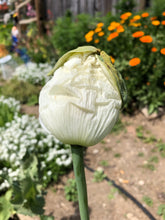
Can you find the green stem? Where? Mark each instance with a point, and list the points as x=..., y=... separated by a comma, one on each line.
x=78, y=166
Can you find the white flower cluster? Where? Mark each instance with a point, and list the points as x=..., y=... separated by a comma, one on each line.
x=33, y=73
x=11, y=102
x=25, y=135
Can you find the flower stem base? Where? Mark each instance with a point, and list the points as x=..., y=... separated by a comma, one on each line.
x=78, y=166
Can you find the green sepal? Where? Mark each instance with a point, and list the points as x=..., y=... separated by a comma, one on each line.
x=105, y=58
x=64, y=58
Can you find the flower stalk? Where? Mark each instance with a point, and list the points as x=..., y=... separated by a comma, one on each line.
x=78, y=166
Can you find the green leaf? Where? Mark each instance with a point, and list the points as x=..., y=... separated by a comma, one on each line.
x=44, y=217
x=6, y=208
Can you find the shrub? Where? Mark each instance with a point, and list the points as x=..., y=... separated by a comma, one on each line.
x=137, y=49
x=8, y=108
x=39, y=49
x=68, y=33
x=19, y=90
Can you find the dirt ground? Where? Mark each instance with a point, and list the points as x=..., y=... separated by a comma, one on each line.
x=134, y=164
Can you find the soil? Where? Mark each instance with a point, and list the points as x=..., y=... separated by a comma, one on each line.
x=137, y=171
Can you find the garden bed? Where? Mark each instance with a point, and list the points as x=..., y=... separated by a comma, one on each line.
x=133, y=159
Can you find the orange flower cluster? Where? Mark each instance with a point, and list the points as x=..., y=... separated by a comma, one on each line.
x=98, y=29
x=155, y=22
x=136, y=17
x=163, y=13
x=146, y=39
x=138, y=34
x=162, y=51
x=3, y=51
x=153, y=49
x=116, y=25
x=163, y=22
x=89, y=36
x=145, y=14
x=112, y=36
x=100, y=24
x=134, y=61
x=126, y=15
x=135, y=24
x=97, y=41
x=112, y=59
x=153, y=18
x=100, y=34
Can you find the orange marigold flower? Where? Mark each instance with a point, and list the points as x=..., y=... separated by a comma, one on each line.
x=148, y=83
x=155, y=22
x=120, y=29
x=112, y=59
x=163, y=13
x=115, y=24
x=145, y=14
x=122, y=21
x=89, y=34
x=89, y=39
x=135, y=24
x=153, y=49
x=132, y=20
x=146, y=39
x=138, y=34
x=126, y=15
x=153, y=18
x=111, y=28
x=97, y=41
x=112, y=35
x=136, y=17
x=163, y=22
x=134, y=61
x=100, y=34
x=98, y=29
x=162, y=51
x=100, y=24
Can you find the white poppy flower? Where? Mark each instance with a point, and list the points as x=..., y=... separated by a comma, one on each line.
x=82, y=101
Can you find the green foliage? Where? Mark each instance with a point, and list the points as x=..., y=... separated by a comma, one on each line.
x=117, y=155
x=26, y=194
x=68, y=33
x=6, y=114
x=125, y=5
x=40, y=49
x=71, y=190
x=112, y=193
x=5, y=34
x=161, y=211
x=119, y=126
x=149, y=166
x=153, y=159
x=99, y=176
x=20, y=90
x=6, y=208
x=157, y=7
x=104, y=163
x=148, y=201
